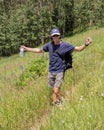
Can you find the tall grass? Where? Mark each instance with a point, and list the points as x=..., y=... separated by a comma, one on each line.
x=82, y=88
x=84, y=109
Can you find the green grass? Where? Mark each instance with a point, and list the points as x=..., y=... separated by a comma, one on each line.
x=83, y=110
x=83, y=89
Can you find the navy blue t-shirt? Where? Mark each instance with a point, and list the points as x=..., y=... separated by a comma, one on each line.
x=55, y=61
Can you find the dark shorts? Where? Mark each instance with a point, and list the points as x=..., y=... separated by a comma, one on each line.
x=55, y=79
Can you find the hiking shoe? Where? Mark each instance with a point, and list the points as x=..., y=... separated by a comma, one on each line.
x=56, y=103
x=62, y=100
x=53, y=103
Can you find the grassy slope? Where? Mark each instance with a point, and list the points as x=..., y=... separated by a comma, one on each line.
x=84, y=108
x=86, y=80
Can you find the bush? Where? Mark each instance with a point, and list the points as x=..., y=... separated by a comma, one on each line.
x=35, y=70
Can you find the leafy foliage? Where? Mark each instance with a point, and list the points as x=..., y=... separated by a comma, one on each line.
x=35, y=70
x=83, y=91
x=29, y=23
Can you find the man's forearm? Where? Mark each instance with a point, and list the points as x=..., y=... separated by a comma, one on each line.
x=35, y=50
x=80, y=48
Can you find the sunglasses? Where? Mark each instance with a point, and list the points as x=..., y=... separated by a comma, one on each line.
x=55, y=35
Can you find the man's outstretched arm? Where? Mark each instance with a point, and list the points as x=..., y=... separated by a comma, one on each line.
x=82, y=47
x=34, y=50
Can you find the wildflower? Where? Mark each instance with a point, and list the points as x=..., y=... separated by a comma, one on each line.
x=63, y=121
x=102, y=75
x=89, y=116
x=81, y=97
x=102, y=95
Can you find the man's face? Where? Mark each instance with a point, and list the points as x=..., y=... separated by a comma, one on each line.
x=56, y=39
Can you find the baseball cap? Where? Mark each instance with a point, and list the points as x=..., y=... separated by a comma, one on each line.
x=55, y=31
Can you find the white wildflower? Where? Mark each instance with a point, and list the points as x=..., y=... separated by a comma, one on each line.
x=102, y=94
x=81, y=97
x=89, y=116
x=102, y=75
x=63, y=121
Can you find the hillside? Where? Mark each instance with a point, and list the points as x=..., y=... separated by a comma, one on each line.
x=27, y=107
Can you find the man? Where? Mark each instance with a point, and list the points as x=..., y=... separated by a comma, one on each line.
x=56, y=64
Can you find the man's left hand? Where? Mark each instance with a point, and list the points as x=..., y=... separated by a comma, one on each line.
x=88, y=41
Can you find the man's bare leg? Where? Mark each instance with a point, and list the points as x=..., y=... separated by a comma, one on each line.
x=55, y=93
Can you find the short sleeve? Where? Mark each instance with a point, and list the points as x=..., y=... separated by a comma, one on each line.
x=46, y=47
x=68, y=48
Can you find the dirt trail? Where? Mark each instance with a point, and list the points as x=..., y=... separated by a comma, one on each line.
x=43, y=120
x=40, y=122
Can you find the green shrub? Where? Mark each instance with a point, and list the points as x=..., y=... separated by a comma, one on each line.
x=36, y=69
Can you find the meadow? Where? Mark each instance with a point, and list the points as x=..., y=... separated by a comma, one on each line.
x=25, y=95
